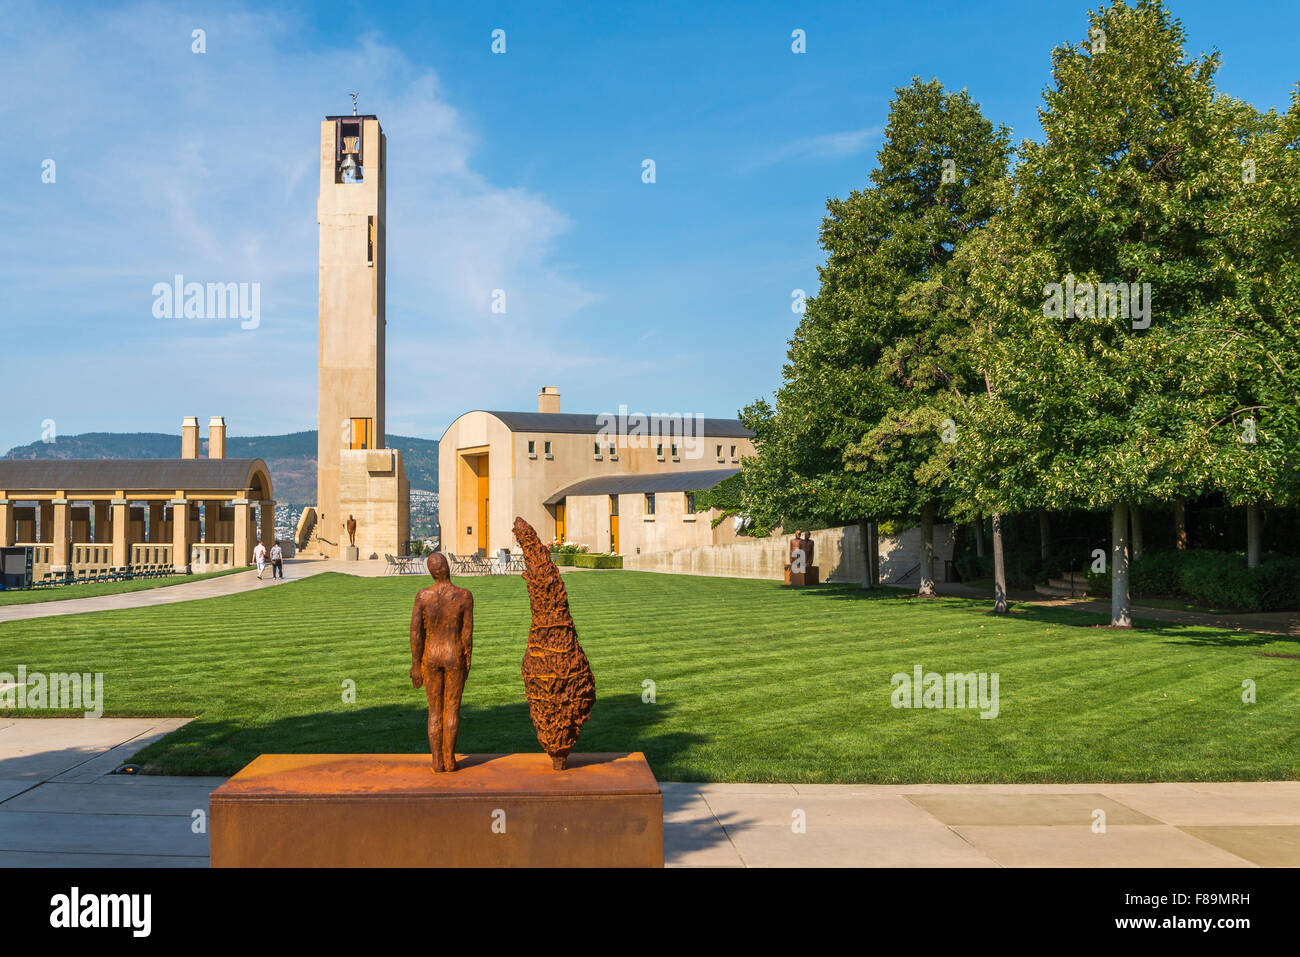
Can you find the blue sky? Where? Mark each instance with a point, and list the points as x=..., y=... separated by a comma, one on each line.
x=519, y=171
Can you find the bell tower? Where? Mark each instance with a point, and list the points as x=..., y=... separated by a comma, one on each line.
x=350, y=388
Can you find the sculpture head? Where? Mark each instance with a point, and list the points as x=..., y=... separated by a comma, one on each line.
x=438, y=567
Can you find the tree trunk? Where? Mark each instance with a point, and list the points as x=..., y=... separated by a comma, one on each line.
x=864, y=543
x=1135, y=522
x=874, y=555
x=979, y=536
x=927, y=550
x=999, y=569
x=1044, y=534
x=1120, y=613
x=1253, y=517
x=1180, y=525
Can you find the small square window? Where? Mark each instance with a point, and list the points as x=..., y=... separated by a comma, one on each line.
x=690, y=503
x=595, y=448
x=532, y=448
x=719, y=451
x=546, y=447
x=733, y=451
x=649, y=503
x=611, y=448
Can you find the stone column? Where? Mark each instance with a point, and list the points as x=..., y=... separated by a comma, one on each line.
x=61, y=532
x=243, y=541
x=155, y=523
x=121, y=529
x=6, y=522
x=180, y=536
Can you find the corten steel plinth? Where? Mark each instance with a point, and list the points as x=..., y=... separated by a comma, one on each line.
x=387, y=810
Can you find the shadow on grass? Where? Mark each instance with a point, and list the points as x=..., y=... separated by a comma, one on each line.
x=1208, y=634
x=221, y=745
x=1177, y=632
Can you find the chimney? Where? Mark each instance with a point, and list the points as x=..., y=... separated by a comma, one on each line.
x=548, y=400
x=217, y=437
x=189, y=437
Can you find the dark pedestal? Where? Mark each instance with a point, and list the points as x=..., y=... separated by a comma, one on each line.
x=392, y=810
x=810, y=577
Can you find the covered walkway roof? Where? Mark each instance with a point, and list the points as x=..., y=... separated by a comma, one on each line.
x=698, y=480
x=139, y=475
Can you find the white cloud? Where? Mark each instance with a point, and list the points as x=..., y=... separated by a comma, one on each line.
x=826, y=146
x=205, y=165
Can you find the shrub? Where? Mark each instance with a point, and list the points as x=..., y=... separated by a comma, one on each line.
x=1219, y=579
x=572, y=558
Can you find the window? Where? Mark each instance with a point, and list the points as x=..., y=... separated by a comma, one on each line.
x=370, y=240
x=659, y=451
x=595, y=449
x=546, y=447
x=649, y=503
x=719, y=453
x=611, y=448
x=674, y=451
x=733, y=451
x=532, y=447
x=690, y=503
x=361, y=437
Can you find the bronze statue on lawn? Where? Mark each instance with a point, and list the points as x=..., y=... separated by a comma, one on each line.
x=442, y=637
x=351, y=526
x=557, y=676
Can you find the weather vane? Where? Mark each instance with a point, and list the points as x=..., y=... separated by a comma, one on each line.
x=354, y=103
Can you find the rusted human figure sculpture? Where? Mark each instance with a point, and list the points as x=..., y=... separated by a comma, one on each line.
x=351, y=526
x=557, y=677
x=442, y=637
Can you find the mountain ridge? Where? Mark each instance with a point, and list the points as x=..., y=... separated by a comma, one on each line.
x=291, y=457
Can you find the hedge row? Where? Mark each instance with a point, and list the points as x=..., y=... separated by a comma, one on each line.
x=1218, y=579
x=586, y=560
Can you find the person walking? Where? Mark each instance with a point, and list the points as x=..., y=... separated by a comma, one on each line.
x=259, y=556
x=277, y=561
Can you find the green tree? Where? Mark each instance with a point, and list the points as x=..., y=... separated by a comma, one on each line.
x=868, y=380
x=1101, y=280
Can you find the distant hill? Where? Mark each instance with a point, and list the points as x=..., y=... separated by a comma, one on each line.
x=292, y=457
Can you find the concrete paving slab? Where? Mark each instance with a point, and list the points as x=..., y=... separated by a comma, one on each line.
x=1027, y=809
x=9, y=788
x=702, y=843
x=1126, y=846
x=94, y=798
x=39, y=859
x=1267, y=846
x=821, y=810
x=100, y=833
x=1243, y=803
x=761, y=846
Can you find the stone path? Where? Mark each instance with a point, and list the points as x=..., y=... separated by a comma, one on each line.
x=59, y=806
x=188, y=591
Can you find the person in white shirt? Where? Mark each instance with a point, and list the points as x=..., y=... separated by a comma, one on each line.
x=259, y=556
x=277, y=561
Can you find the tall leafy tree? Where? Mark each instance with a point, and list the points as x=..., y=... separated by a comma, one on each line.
x=868, y=380
x=1102, y=278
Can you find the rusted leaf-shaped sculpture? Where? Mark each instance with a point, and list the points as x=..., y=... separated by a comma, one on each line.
x=557, y=678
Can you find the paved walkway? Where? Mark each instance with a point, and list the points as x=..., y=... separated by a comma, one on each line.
x=59, y=806
x=189, y=591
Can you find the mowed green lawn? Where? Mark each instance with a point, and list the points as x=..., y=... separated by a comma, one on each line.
x=752, y=681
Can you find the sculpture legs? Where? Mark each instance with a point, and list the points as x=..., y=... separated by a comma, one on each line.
x=443, y=687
